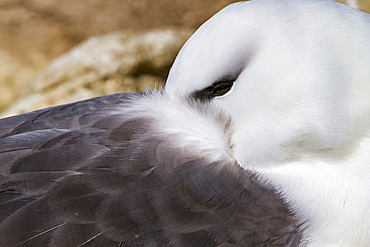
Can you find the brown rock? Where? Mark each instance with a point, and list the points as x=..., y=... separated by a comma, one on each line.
x=118, y=62
x=41, y=30
x=14, y=75
x=33, y=32
x=363, y=5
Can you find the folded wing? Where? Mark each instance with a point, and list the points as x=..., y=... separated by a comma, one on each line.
x=84, y=174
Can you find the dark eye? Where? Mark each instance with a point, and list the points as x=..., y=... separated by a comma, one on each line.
x=221, y=89
x=217, y=89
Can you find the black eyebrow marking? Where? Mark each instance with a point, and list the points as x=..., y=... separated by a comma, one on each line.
x=209, y=93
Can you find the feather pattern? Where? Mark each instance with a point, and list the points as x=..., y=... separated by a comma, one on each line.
x=84, y=175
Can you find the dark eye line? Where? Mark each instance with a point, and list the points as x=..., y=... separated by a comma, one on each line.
x=218, y=88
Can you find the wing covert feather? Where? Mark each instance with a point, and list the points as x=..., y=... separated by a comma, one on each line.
x=92, y=177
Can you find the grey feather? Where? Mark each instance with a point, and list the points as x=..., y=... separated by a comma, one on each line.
x=84, y=175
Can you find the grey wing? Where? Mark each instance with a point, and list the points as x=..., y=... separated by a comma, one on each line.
x=84, y=175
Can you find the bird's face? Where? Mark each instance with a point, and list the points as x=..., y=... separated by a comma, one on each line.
x=276, y=78
x=293, y=78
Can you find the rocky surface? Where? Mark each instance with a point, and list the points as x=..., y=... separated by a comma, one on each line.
x=34, y=32
x=363, y=5
x=15, y=74
x=120, y=61
x=34, y=35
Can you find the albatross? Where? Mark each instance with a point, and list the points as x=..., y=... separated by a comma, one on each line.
x=261, y=137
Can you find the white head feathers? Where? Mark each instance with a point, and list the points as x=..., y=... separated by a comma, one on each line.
x=299, y=104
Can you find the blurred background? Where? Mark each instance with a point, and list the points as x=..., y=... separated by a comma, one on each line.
x=55, y=52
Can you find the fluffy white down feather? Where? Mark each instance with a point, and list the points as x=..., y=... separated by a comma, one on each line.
x=302, y=117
